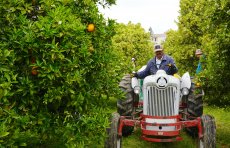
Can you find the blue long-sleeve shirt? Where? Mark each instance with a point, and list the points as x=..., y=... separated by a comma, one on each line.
x=152, y=68
x=201, y=64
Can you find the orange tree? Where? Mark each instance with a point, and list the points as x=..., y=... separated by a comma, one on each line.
x=206, y=26
x=55, y=74
x=131, y=41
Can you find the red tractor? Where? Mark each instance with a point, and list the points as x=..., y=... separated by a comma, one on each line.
x=161, y=106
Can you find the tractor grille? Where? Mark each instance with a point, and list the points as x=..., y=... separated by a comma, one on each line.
x=161, y=101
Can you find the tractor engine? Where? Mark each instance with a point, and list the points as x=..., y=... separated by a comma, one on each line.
x=161, y=95
x=161, y=98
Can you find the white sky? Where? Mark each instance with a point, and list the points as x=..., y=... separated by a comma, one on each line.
x=158, y=14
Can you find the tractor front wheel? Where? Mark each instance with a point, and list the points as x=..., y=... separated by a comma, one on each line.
x=209, y=132
x=113, y=140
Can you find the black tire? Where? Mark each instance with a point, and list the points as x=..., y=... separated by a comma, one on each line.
x=195, y=102
x=209, y=132
x=125, y=106
x=195, y=108
x=113, y=140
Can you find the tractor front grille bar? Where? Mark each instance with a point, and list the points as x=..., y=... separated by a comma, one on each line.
x=161, y=101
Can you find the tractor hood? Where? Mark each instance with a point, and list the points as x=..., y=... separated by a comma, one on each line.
x=161, y=80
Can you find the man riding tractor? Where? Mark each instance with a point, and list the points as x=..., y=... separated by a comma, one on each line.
x=161, y=105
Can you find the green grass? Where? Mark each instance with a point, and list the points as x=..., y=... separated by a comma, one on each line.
x=222, y=117
x=134, y=141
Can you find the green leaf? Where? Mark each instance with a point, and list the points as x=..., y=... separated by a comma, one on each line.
x=4, y=134
x=23, y=144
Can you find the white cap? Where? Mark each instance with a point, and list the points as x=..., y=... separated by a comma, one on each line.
x=158, y=48
x=198, y=52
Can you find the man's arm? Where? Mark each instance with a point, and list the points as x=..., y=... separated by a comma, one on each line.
x=145, y=72
x=173, y=68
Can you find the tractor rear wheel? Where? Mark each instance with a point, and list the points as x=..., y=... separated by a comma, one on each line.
x=125, y=106
x=195, y=102
x=195, y=108
x=113, y=140
x=209, y=132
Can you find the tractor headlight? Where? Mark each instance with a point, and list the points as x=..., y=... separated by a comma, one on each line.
x=137, y=90
x=185, y=91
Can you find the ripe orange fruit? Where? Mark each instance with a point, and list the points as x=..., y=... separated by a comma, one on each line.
x=34, y=71
x=91, y=27
x=91, y=49
x=33, y=60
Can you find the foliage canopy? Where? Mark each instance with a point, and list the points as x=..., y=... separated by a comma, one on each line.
x=55, y=76
x=61, y=103
x=205, y=25
x=131, y=41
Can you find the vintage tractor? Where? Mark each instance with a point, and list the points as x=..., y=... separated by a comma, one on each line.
x=161, y=106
